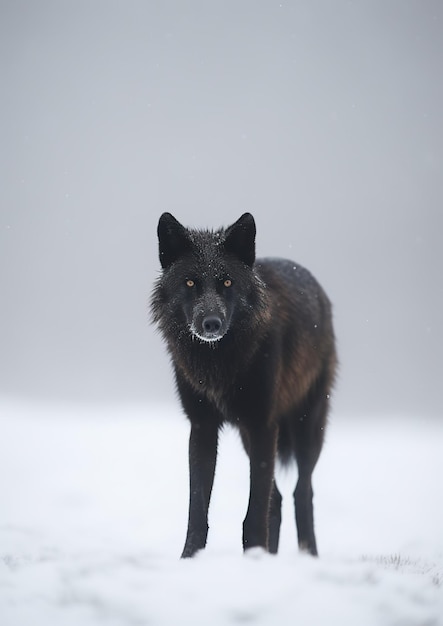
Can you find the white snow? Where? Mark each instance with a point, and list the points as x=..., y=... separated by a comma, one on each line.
x=94, y=508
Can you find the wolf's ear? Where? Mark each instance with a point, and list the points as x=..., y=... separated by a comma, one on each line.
x=240, y=239
x=173, y=240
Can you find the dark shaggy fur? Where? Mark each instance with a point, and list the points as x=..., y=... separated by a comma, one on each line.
x=252, y=344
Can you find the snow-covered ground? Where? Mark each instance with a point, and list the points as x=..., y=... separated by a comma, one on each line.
x=94, y=508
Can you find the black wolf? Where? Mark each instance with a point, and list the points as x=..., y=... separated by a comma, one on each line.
x=252, y=344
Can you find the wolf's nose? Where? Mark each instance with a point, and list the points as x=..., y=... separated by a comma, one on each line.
x=212, y=324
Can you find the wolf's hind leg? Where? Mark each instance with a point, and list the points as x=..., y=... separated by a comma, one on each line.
x=308, y=434
x=274, y=519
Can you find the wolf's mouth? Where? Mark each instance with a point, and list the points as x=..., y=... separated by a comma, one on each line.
x=206, y=336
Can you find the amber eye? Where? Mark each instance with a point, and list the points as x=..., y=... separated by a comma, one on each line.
x=227, y=282
x=190, y=283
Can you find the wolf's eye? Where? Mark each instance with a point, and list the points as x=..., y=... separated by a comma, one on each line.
x=227, y=282
x=190, y=283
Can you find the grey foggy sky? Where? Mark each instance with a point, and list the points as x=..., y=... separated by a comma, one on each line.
x=324, y=119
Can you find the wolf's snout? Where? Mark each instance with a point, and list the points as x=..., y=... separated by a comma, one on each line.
x=212, y=325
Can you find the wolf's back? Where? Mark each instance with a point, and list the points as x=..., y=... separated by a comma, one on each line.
x=301, y=330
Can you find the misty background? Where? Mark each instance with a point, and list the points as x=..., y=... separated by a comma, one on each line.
x=323, y=119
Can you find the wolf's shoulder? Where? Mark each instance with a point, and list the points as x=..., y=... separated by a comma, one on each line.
x=272, y=269
x=293, y=286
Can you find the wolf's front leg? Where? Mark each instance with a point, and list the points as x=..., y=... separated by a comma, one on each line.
x=202, y=458
x=260, y=443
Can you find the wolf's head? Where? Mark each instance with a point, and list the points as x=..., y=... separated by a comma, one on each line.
x=208, y=283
